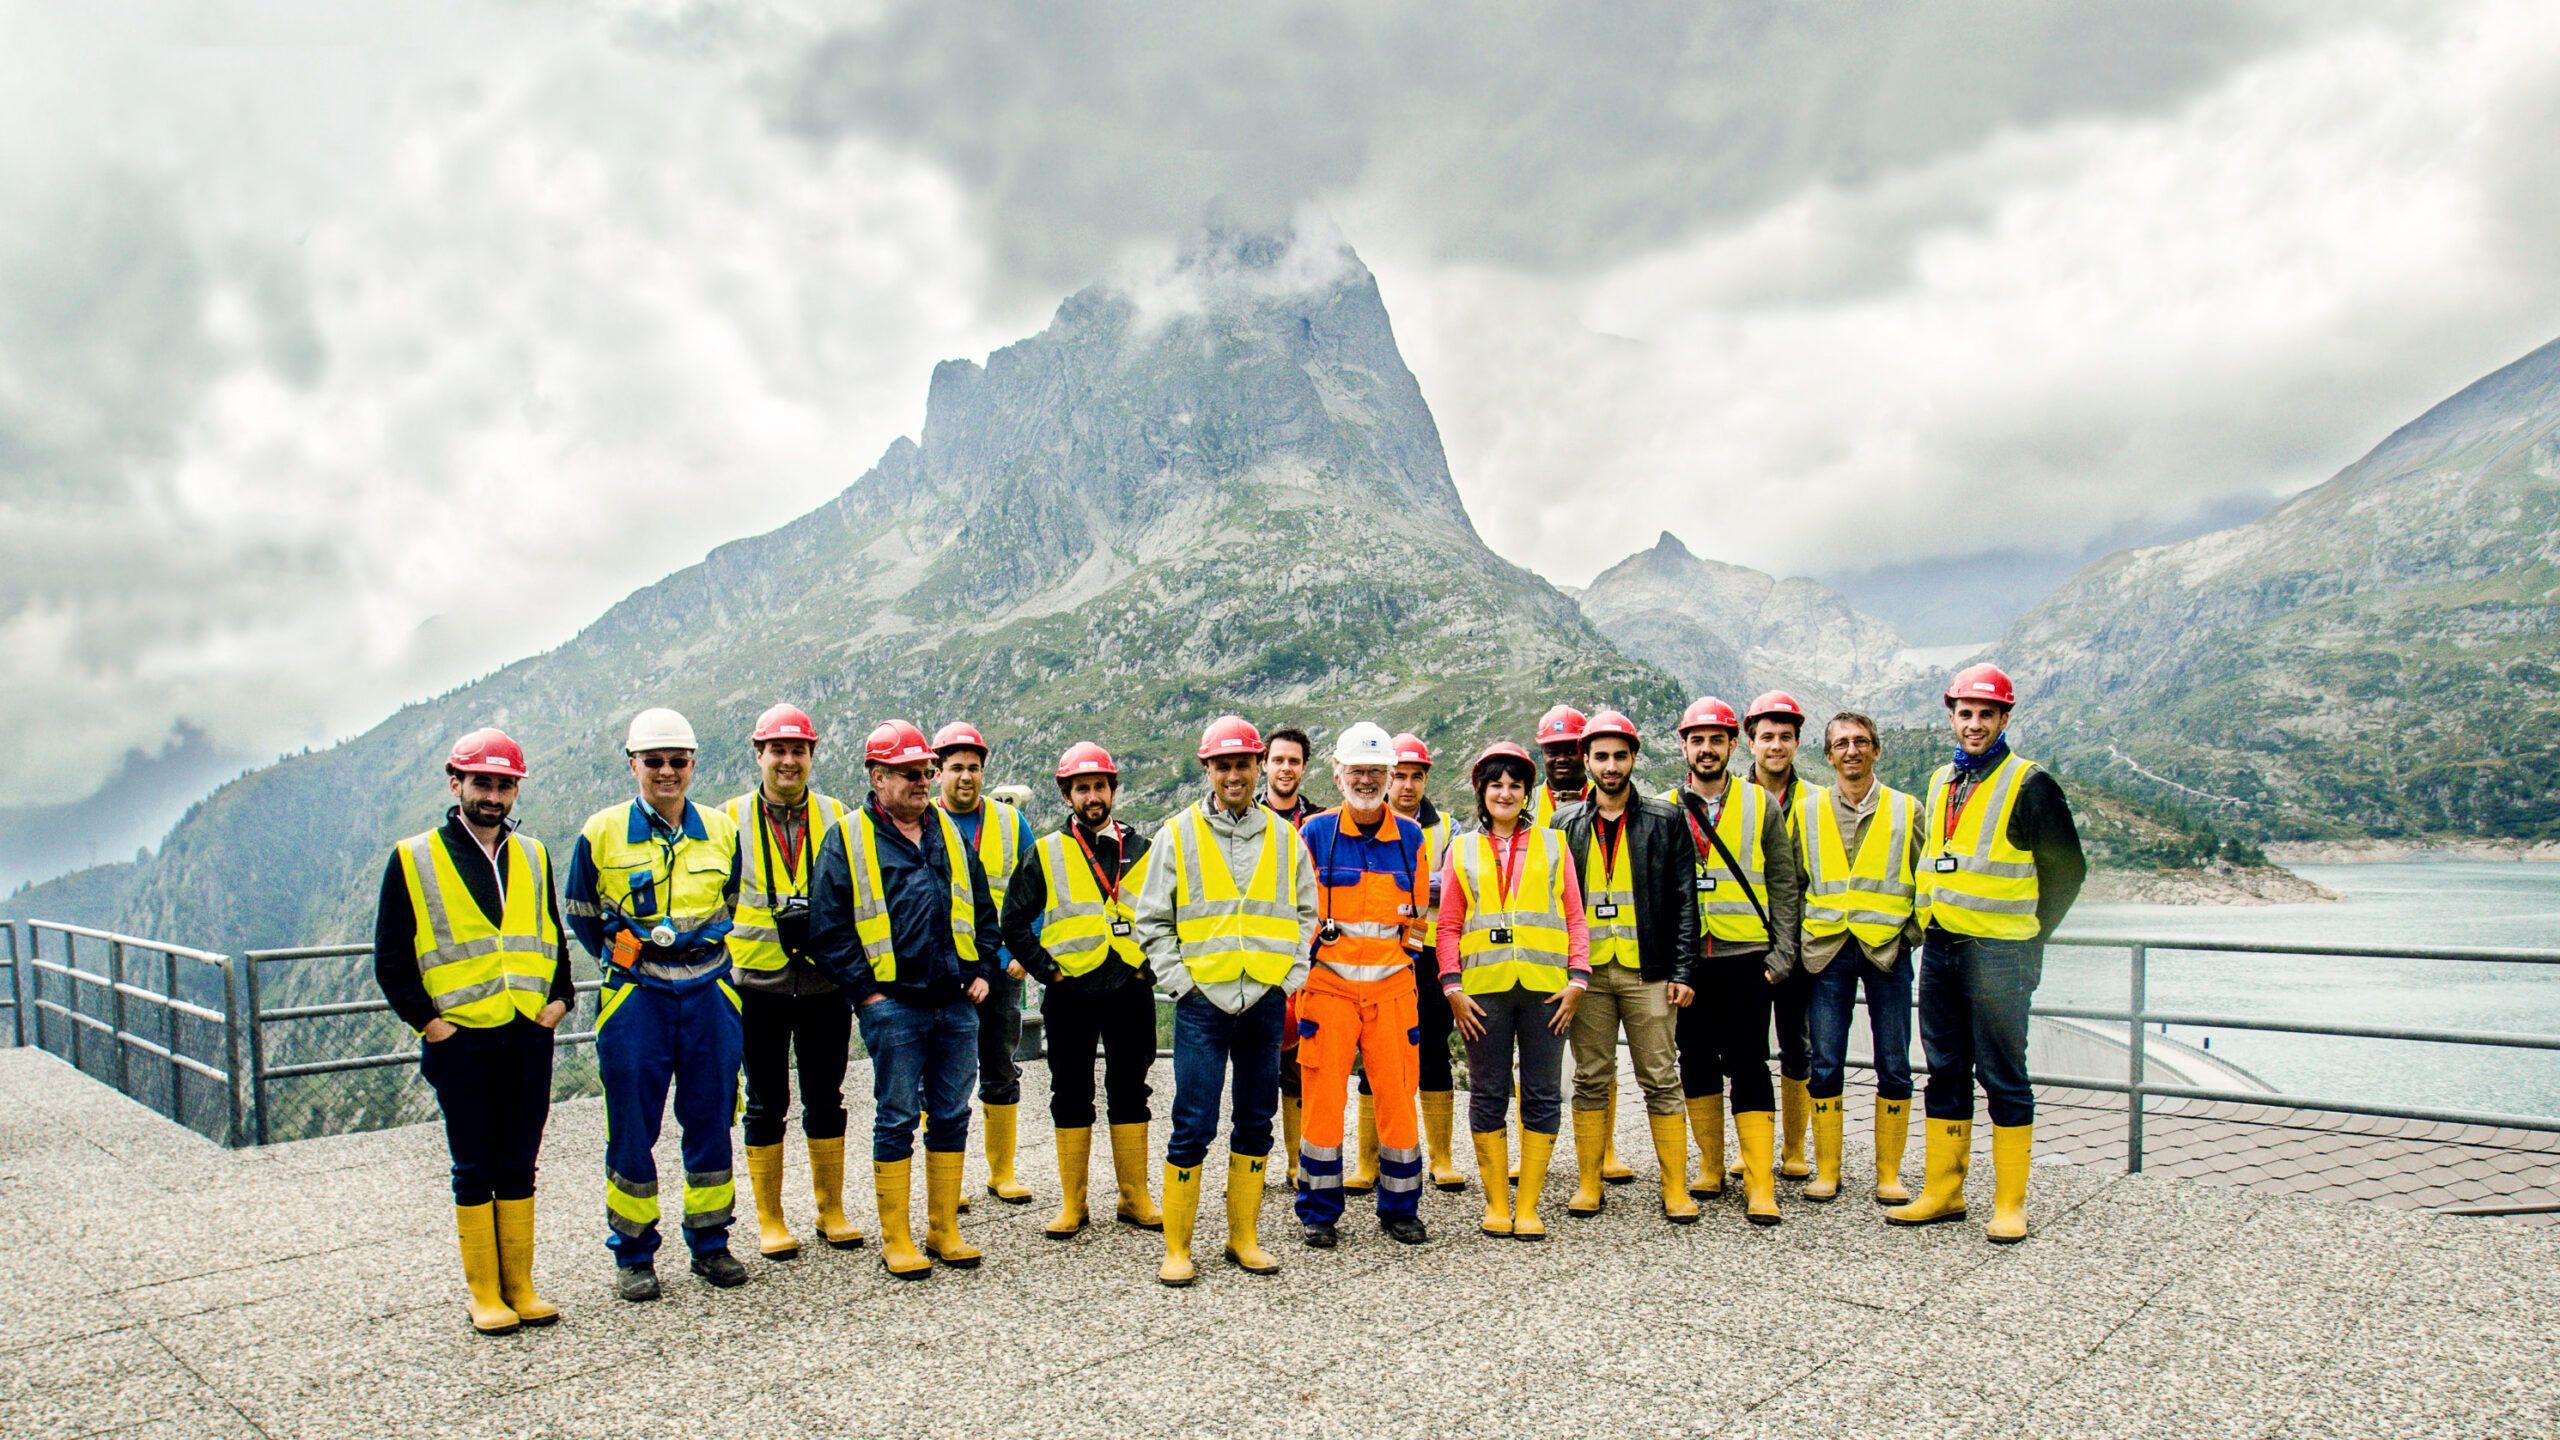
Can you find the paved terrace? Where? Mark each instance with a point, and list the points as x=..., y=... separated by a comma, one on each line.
x=157, y=1285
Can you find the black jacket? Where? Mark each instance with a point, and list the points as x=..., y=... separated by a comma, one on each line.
x=1027, y=896
x=918, y=881
x=395, y=925
x=1666, y=883
x=2041, y=825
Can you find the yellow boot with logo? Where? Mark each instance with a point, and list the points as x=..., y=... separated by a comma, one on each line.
x=1293, y=1126
x=893, y=1182
x=475, y=1227
x=1129, y=1164
x=1827, y=1140
x=1893, y=1133
x=1950, y=1148
x=2011, y=1146
x=1362, y=1177
x=1075, y=1155
x=1590, y=1135
x=1671, y=1148
x=764, y=1176
x=1537, y=1152
x=1439, y=1113
x=1757, y=1131
x=1181, y=1214
x=942, y=1210
x=515, y=1263
x=1706, y=1122
x=1001, y=1120
x=826, y=1187
x=1795, y=1108
x=1613, y=1170
x=1244, y=1216
x=1493, y=1157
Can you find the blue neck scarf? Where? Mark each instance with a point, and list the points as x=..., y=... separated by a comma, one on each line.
x=1974, y=767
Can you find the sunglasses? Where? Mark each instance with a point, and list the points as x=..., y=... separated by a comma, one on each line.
x=666, y=762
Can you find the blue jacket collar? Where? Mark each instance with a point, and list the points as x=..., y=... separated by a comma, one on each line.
x=643, y=822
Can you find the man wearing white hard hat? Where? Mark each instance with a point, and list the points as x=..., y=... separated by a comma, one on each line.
x=653, y=889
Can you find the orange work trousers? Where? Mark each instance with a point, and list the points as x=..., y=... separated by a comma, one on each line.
x=1380, y=1023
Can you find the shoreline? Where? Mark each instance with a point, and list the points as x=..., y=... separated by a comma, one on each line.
x=2220, y=883
x=2385, y=852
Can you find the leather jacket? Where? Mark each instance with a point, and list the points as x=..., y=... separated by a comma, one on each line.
x=1665, y=869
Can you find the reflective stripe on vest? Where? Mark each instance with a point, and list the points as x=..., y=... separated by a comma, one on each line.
x=870, y=894
x=1872, y=897
x=1536, y=954
x=1435, y=853
x=1991, y=892
x=699, y=896
x=1725, y=911
x=1373, y=913
x=480, y=974
x=1075, y=926
x=1225, y=932
x=1613, y=936
x=754, y=943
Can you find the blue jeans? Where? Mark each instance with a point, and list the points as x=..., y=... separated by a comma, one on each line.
x=1974, y=995
x=1832, y=998
x=924, y=1059
x=1207, y=1041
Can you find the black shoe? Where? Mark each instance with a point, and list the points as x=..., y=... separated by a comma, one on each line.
x=1404, y=1229
x=720, y=1268
x=636, y=1282
x=1321, y=1236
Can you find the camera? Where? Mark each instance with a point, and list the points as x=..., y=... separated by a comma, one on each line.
x=791, y=923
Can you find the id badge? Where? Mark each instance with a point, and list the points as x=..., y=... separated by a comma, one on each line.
x=1604, y=912
x=1501, y=936
x=1706, y=883
x=1944, y=865
x=1120, y=927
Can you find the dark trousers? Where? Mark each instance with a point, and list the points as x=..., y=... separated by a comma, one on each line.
x=1974, y=995
x=1834, y=1002
x=1789, y=1000
x=495, y=1087
x=1122, y=1022
x=1724, y=1034
x=1517, y=1029
x=1207, y=1043
x=923, y=1060
x=648, y=1039
x=819, y=1030
x=999, y=1039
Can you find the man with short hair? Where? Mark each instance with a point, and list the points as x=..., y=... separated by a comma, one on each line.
x=1284, y=770
x=466, y=948
x=2000, y=867
x=1000, y=836
x=902, y=918
x=653, y=888
x=1773, y=727
x=1560, y=745
x=1438, y=1095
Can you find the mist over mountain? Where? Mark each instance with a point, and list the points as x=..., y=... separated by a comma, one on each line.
x=139, y=801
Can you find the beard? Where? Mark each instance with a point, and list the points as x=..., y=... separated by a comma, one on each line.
x=1095, y=814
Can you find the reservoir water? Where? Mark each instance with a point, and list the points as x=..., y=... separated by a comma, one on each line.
x=2416, y=903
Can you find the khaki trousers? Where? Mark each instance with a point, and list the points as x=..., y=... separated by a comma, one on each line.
x=1621, y=999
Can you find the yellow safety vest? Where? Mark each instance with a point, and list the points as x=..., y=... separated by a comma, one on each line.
x=999, y=844
x=1543, y=806
x=1871, y=897
x=698, y=894
x=754, y=943
x=1725, y=911
x=1225, y=932
x=1520, y=939
x=871, y=895
x=1435, y=853
x=478, y=974
x=1975, y=882
x=1613, y=933
x=1080, y=926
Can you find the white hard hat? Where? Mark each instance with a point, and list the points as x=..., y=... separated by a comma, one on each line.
x=1365, y=744
x=659, y=729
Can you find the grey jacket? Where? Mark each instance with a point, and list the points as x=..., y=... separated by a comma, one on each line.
x=1239, y=840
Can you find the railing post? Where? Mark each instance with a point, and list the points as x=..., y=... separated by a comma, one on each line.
x=231, y=1067
x=18, y=975
x=115, y=1015
x=174, y=1029
x=252, y=1029
x=32, y=987
x=2137, y=1006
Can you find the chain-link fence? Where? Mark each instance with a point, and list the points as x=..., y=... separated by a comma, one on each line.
x=149, y=1018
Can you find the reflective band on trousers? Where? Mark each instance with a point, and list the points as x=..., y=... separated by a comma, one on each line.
x=1872, y=897
x=1536, y=954
x=1226, y=932
x=1726, y=912
x=1075, y=926
x=754, y=943
x=630, y=1206
x=479, y=974
x=870, y=894
x=1992, y=890
x=1613, y=936
x=709, y=1198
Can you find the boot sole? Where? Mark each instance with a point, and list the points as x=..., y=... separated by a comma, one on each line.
x=494, y=1334
x=924, y=1272
x=2003, y=1239
x=1903, y=1199
x=791, y=1254
x=1529, y=1237
x=1182, y=1283
x=1764, y=1221
x=1151, y=1226
x=853, y=1244
x=719, y=1284
x=1689, y=1219
x=1697, y=1194
x=965, y=1262
x=1065, y=1234
x=536, y=1322
x=1505, y=1233
x=1932, y=1220
x=1822, y=1199
x=1449, y=1187
x=1626, y=1179
x=1022, y=1199
x=1272, y=1269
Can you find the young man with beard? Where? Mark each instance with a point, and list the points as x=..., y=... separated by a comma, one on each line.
x=1284, y=769
x=999, y=835
x=1774, y=726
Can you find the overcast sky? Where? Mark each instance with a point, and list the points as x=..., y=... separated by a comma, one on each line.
x=350, y=350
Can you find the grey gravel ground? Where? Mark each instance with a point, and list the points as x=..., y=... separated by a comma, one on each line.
x=157, y=1285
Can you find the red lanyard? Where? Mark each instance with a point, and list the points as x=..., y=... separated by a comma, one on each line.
x=1110, y=883
x=1955, y=812
x=1507, y=854
x=1613, y=836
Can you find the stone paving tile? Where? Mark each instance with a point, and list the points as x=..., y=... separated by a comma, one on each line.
x=93, y=1384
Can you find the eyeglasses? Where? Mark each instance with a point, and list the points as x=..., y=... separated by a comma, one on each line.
x=666, y=762
x=1853, y=742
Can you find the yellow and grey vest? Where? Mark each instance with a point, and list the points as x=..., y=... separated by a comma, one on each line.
x=1080, y=926
x=1726, y=910
x=1226, y=931
x=1517, y=939
x=687, y=885
x=754, y=943
x=1609, y=896
x=1974, y=882
x=479, y=974
x=871, y=896
x=1870, y=895
x=1000, y=830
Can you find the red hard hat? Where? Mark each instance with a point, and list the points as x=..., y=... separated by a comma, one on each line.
x=957, y=735
x=1706, y=711
x=1230, y=735
x=1086, y=758
x=895, y=742
x=1982, y=682
x=1611, y=722
x=1499, y=750
x=1775, y=702
x=785, y=722
x=1411, y=751
x=487, y=751
x=1560, y=726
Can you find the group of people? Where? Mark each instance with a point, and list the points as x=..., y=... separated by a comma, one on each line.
x=1304, y=951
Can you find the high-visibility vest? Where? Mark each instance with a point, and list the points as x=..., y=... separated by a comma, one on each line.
x=1435, y=853
x=1609, y=896
x=1534, y=953
x=1974, y=882
x=1725, y=909
x=871, y=896
x=697, y=896
x=1225, y=931
x=1543, y=806
x=1871, y=896
x=754, y=943
x=1080, y=926
x=1000, y=830
x=479, y=974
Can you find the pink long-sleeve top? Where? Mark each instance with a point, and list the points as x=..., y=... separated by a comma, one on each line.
x=1453, y=913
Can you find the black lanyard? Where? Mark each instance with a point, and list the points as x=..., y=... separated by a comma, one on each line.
x=1702, y=836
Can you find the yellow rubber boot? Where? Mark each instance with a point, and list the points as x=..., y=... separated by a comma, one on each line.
x=476, y=1227
x=1756, y=1130
x=515, y=1263
x=1293, y=1128
x=2011, y=1146
x=1706, y=1122
x=1826, y=1150
x=1129, y=1163
x=1795, y=1109
x=1950, y=1151
x=1612, y=1169
x=764, y=1176
x=1001, y=1120
x=1244, y=1216
x=942, y=1210
x=892, y=1181
x=1439, y=1110
x=1671, y=1148
x=1590, y=1134
x=826, y=1186
x=1493, y=1157
x=1181, y=1213
x=1893, y=1132
x=1537, y=1152
x=1362, y=1177
x=1075, y=1154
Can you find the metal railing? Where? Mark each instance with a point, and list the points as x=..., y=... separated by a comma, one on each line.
x=17, y=986
x=150, y=1068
